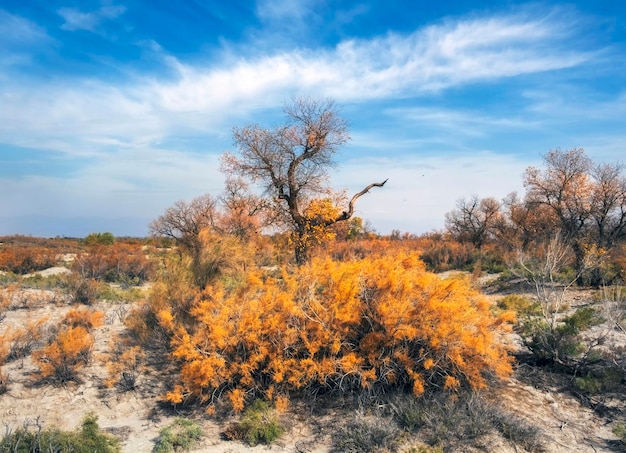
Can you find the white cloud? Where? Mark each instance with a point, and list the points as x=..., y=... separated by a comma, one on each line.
x=206, y=99
x=272, y=10
x=76, y=19
x=122, y=127
x=17, y=31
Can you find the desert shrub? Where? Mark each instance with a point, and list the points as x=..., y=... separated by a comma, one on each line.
x=451, y=423
x=81, y=290
x=83, y=317
x=620, y=431
x=520, y=432
x=173, y=291
x=363, y=435
x=600, y=380
x=22, y=341
x=259, y=424
x=33, y=438
x=22, y=260
x=180, y=435
x=372, y=324
x=62, y=359
x=559, y=342
x=442, y=254
x=124, y=365
x=122, y=263
x=520, y=305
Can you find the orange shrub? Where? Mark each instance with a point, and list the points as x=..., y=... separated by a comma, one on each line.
x=22, y=260
x=83, y=317
x=124, y=365
x=21, y=341
x=366, y=324
x=112, y=263
x=62, y=359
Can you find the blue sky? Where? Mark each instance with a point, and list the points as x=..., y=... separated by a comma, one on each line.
x=110, y=111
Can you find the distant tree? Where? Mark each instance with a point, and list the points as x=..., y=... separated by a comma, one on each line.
x=241, y=209
x=184, y=222
x=588, y=201
x=608, y=204
x=291, y=164
x=100, y=239
x=474, y=220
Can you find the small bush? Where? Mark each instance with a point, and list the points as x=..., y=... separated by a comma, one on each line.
x=33, y=438
x=83, y=317
x=22, y=341
x=124, y=367
x=258, y=425
x=22, y=260
x=558, y=342
x=62, y=359
x=375, y=324
x=181, y=435
x=362, y=435
x=620, y=431
x=520, y=304
x=603, y=380
x=448, y=423
x=81, y=290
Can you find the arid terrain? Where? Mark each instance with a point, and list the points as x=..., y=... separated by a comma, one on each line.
x=567, y=421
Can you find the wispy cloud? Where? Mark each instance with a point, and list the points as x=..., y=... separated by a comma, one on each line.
x=201, y=99
x=18, y=38
x=76, y=19
x=433, y=59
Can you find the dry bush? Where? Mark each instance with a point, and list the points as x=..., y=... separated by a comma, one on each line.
x=22, y=260
x=83, y=317
x=365, y=435
x=22, y=341
x=63, y=358
x=81, y=290
x=174, y=290
x=376, y=323
x=119, y=262
x=125, y=364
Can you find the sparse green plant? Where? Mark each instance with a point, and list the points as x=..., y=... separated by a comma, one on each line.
x=620, y=431
x=599, y=381
x=259, y=424
x=180, y=435
x=520, y=304
x=32, y=437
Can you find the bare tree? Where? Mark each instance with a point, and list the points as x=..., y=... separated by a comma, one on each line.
x=589, y=202
x=608, y=204
x=291, y=164
x=184, y=222
x=474, y=220
x=565, y=187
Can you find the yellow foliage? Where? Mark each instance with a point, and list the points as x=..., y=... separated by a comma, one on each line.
x=62, y=358
x=124, y=365
x=376, y=321
x=84, y=317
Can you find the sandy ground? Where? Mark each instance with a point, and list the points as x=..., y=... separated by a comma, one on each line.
x=137, y=418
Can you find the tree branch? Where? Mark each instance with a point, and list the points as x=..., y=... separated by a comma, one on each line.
x=345, y=215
